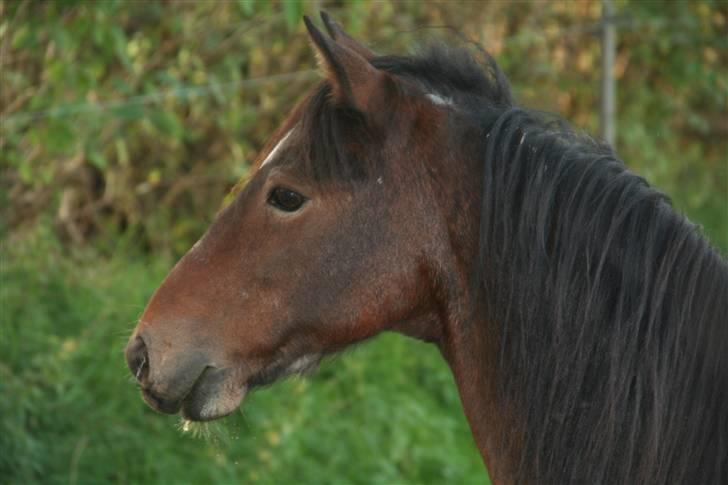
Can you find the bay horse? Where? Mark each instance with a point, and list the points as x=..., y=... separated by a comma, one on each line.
x=585, y=321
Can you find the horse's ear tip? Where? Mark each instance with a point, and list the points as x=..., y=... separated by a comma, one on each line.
x=312, y=30
x=309, y=23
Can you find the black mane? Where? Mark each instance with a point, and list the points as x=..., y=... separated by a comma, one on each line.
x=611, y=307
x=613, y=312
x=455, y=74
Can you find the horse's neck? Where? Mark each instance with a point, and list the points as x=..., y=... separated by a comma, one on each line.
x=463, y=335
x=472, y=357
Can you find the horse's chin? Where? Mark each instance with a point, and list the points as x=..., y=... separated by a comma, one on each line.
x=216, y=394
x=208, y=408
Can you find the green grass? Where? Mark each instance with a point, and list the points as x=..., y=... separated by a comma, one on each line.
x=386, y=412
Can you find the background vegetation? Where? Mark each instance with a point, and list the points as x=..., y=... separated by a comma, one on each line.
x=124, y=124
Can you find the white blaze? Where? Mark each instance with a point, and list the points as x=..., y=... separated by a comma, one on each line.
x=276, y=149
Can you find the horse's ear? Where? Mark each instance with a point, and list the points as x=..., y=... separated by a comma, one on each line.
x=354, y=81
x=342, y=38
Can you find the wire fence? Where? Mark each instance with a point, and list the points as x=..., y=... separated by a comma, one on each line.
x=184, y=93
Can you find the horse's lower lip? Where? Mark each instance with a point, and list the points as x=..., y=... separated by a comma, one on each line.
x=214, y=395
x=194, y=409
x=202, y=405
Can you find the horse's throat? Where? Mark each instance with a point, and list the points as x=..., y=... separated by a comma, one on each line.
x=495, y=427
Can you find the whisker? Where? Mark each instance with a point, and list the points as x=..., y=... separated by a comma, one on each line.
x=141, y=366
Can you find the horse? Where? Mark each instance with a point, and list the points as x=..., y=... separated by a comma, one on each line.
x=585, y=321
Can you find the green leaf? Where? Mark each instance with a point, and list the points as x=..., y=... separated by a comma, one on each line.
x=167, y=123
x=59, y=137
x=21, y=38
x=119, y=42
x=247, y=6
x=129, y=111
x=97, y=159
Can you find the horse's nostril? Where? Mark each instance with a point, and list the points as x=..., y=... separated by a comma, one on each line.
x=137, y=359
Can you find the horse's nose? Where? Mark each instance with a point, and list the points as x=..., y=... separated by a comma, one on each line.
x=137, y=358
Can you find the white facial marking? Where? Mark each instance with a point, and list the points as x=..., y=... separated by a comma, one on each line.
x=440, y=100
x=302, y=364
x=276, y=149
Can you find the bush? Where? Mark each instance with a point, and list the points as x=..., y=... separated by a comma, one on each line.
x=137, y=117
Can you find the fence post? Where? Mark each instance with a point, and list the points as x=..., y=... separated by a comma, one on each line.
x=609, y=88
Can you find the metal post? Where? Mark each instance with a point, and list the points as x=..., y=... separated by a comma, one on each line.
x=609, y=85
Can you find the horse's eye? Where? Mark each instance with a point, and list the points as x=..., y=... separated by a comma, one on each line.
x=286, y=199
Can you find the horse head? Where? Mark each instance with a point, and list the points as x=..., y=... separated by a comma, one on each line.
x=323, y=247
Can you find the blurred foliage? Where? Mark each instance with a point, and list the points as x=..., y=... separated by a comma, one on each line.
x=123, y=126
x=138, y=116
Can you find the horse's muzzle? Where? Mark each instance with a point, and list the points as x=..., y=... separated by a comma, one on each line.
x=187, y=384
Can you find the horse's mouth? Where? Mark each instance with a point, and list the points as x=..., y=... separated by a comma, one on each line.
x=218, y=392
x=213, y=395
